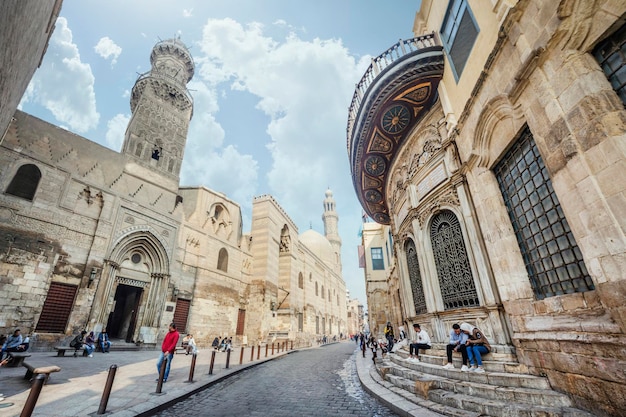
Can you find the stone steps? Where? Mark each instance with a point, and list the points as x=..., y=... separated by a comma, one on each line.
x=494, y=393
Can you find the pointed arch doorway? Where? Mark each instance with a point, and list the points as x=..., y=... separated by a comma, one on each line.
x=123, y=319
x=131, y=297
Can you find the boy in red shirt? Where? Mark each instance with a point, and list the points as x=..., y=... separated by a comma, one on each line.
x=168, y=347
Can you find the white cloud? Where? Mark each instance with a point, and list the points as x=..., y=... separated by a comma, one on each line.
x=64, y=84
x=116, y=128
x=187, y=12
x=206, y=161
x=305, y=88
x=106, y=48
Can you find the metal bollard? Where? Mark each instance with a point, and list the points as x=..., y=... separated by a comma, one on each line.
x=258, y=352
x=107, y=390
x=159, y=386
x=266, y=348
x=35, y=390
x=272, y=348
x=241, y=356
x=193, y=367
x=252, y=353
x=227, y=358
x=291, y=345
x=212, y=362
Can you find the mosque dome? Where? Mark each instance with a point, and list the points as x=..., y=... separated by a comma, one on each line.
x=318, y=244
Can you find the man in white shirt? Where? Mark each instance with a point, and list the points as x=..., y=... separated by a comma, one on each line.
x=422, y=341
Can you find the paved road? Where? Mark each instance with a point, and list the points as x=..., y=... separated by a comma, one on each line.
x=317, y=382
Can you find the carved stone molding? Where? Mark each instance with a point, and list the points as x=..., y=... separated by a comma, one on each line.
x=448, y=198
x=131, y=282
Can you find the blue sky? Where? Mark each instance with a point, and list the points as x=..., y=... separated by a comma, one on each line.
x=272, y=86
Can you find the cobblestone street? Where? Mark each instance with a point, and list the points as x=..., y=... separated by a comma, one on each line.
x=315, y=382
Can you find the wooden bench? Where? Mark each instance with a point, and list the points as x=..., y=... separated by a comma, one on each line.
x=61, y=350
x=35, y=369
x=17, y=358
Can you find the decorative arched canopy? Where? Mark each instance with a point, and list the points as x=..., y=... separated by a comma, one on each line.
x=396, y=91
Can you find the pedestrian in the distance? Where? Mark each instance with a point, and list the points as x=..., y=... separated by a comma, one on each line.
x=168, y=348
x=103, y=341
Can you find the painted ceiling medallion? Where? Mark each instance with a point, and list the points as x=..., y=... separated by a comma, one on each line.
x=373, y=196
x=381, y=218
x=375, y=165
x=396, y=119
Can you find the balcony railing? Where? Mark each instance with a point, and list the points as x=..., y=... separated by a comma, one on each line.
x=168, y=78
x=384, y=60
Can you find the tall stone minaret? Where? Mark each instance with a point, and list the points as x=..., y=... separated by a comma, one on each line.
x=161, y=109
x=331, y=219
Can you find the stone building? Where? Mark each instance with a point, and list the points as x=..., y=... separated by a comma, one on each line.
x=93, y=238
x=492, y=144
x=25, y=29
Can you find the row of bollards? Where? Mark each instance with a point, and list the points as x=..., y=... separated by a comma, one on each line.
x=40, y=379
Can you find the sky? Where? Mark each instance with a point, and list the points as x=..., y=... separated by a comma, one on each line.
x=272, y=86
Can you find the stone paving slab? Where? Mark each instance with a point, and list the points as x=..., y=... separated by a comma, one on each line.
x=77, y=389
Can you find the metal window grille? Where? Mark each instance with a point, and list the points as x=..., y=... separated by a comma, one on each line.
x=181, y=313
x=553, y=260
x=241, y=320
x=611, y=55
x=415, y=277
x=57, y=308
x=453, y=269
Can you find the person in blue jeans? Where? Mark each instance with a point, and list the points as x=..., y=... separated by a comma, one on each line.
x=168, y=348
x=90, y=344
x=103, y=341
x=477, y=345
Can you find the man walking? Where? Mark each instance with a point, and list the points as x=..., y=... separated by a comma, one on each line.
x=168, y=348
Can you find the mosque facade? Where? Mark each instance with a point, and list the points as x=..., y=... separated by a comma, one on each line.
x=93, y=238
x=492, y=147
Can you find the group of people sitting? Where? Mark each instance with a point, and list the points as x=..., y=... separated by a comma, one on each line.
x=88, y=343
x=465, y=338
x=189, y=344
x=13, y=343
x=223, y=346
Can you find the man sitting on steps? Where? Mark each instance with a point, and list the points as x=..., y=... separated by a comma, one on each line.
x=457, y=344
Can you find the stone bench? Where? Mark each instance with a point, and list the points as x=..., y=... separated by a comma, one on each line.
x=17, y=358
x=33, y=370
x=61, y=350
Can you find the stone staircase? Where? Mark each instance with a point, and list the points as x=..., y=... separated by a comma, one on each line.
x=505, y=389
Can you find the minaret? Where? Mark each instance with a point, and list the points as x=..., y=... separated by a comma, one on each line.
x=331, y=219
x=161, y=109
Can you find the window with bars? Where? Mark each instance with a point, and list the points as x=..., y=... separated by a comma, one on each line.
x=241, y=320
x=57, y=308
x=553, y=260
x=611, y=55
x=378, y=262
x=415, y=277
x=181, y=313
x=458, y=34
x=453, y=269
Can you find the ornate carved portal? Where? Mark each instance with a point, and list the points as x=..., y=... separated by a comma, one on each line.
x=453, y=269
x=415, y=277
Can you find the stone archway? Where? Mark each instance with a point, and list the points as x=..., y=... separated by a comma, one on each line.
x=134, y=287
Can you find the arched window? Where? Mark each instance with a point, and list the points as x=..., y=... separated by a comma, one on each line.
x=322, y=295
x=328, y=295
x=222, y=260
x=415, y=278
x=316, y=289
x=310, y=277
x=453, y=268
x=553, y=260
x=25, y=182
x=285, y=239
x=300, y=280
